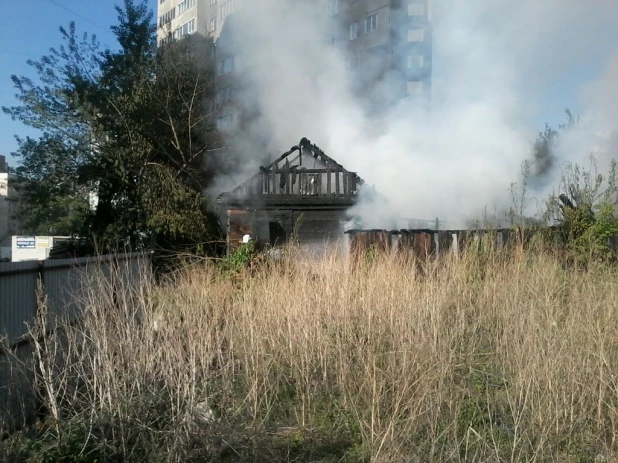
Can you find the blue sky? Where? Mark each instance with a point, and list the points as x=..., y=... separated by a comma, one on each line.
x=29, y=29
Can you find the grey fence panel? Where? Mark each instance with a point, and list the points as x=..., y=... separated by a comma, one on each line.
x=18, y=398
x=18, y=284
x=64, y=288
x=132, y=275
x=70, y=285
x=136, y=270
x=61, y=285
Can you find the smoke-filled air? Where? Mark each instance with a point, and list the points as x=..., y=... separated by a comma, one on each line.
x=499, y=68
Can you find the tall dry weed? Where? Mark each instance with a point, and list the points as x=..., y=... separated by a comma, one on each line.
x=477, y=358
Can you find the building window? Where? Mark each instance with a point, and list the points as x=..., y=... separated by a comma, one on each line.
x=212, y=25
x=416, y=9
x=416, y=35
x=186, y=29
x=224, y=95
x=226, y=36
x=415, y=88
x=333, y=7
x=227, y=8
x=219, y=98
x=416, y=61
x=166, y=40
x=371, y=23
x=213, y=2
x=331, y=39
x=353, y=31
x=226, y=66
x=353, y=63
x=186, y=5
x=161, y=1
x=167, y=17
x=226, y=123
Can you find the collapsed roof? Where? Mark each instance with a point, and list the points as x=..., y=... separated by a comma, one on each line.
x=287, y=173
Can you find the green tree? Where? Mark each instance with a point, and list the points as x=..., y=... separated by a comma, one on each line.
x=129, y=124
x=54, y=202
x=49, y=179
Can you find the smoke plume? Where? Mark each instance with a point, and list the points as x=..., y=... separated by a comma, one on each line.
x=494, y=64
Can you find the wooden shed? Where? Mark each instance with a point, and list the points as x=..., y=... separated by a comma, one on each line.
x=303, y=191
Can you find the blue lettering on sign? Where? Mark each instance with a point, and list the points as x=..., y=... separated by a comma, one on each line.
x=26, y=243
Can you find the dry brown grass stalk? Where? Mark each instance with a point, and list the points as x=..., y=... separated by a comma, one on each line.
x=472, y=359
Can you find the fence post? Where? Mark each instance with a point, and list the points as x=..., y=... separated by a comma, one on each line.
x=455, y=244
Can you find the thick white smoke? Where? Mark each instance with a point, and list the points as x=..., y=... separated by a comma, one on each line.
x=493, y=62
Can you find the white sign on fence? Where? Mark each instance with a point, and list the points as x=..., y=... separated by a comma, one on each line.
x=26, y=242
x=43, y=241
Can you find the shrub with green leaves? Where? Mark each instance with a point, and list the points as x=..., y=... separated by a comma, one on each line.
x=240, y=259
x=584, y=213
x=596, y=234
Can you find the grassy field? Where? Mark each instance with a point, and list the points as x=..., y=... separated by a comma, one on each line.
x=480, y=359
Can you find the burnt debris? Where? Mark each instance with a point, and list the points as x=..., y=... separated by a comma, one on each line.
x=303, y=193
x=285, y=179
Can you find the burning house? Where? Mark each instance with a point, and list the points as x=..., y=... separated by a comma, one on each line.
x=303, y=193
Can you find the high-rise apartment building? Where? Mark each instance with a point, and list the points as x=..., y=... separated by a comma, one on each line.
x=179, y=18
x=387, y=45
x=203, y=19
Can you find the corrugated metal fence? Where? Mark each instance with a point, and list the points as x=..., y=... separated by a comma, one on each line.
x=65, y=284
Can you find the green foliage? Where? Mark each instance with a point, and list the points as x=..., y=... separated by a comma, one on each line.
x=586, y=214
x=84, y=436
x=582, y=212
x=74, y=445
x=240, y=259
x=371, y=254
x=594, y=233
x=128, y=124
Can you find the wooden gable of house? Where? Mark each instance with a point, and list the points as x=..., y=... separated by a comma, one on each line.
x=303, y=175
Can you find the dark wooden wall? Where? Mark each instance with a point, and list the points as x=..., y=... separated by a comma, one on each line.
x=319, y=228
x=424, y=243
x=315, y=228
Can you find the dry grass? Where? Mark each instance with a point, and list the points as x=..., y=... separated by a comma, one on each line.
x=474, y=359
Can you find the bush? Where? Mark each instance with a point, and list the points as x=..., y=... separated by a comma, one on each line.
x=240, y=259
x=584, y=216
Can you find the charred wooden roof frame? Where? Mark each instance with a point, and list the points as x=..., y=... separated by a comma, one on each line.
x=250, y=192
